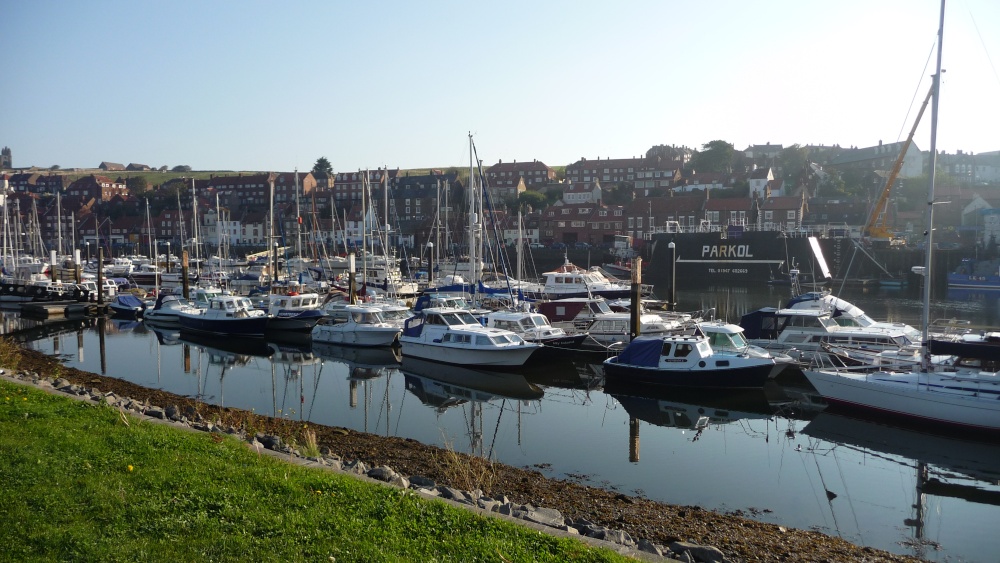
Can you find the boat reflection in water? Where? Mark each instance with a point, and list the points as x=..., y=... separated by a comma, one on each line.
x=363, y=363
x=220, y=356
x=448, y=387
x=944, y=468
x=693, y=410
x=367, y=368
x=444, y=386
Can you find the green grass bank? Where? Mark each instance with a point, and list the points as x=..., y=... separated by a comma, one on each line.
x=84, y=482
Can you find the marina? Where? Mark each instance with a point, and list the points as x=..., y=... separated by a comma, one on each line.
x=751, y=452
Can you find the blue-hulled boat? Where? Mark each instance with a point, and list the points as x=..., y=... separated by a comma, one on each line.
x=226, y=315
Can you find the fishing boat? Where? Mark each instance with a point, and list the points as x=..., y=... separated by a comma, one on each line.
x=686, y=361
x=293, y=312
x=918, y=396
x=356, y=325
x=226, y=315
x=728, y=339
x=454, y=336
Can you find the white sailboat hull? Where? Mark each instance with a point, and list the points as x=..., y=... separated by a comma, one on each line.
x=911, y=399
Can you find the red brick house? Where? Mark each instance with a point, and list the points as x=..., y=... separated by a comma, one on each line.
x=507, y=174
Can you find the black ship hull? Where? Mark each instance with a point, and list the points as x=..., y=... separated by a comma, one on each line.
x=747, y=257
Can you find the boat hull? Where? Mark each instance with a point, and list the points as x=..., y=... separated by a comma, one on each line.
x=294, y=321
x=371, y=337
x=909, y=403
x=742, y=256
x=743, y=377
x=254, y=326
x=507, y=357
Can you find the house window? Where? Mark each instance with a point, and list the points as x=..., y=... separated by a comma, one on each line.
x=768, y=215
x=602, y=213
x=791, y=214
x=565, y=211
x=631, y=222
x=618, y=212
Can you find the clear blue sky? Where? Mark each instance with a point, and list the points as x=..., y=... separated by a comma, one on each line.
x=254, y=85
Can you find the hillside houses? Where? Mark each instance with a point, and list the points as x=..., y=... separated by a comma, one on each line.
x=598, y=199
x=508, y=174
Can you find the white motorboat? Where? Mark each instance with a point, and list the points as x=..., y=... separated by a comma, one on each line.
x=615, y=328
x=535, y=327
x=801, y=332
x=164, y=312
x=454, y=336
x=356, y=325
x=569, y=280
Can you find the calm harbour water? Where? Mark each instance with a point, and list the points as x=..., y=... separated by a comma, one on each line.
x=843, y=477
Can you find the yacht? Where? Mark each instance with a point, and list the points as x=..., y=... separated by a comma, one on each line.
x=356, y=325
x=454, y=336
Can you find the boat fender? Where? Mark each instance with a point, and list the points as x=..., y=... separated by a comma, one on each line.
x=701, y=364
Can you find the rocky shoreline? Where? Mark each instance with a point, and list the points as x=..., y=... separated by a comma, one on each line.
x=655, y=529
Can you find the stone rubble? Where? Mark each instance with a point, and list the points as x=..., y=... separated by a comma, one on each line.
x=678, y=550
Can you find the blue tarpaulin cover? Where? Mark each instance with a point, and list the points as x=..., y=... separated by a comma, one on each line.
x=642, y=351
x=128, y=300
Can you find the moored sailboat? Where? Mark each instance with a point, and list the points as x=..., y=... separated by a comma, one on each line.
x=918, y=396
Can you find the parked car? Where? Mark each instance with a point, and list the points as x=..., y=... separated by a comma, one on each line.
x=582, y=245
x=558, y=246
x=536, y=245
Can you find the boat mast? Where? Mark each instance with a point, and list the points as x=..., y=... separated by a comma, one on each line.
x=271, y=248
x=929, y=222
x=298, y=219
x=364, y=229
x=472, y=218
x=59, y=244
x=194, y=227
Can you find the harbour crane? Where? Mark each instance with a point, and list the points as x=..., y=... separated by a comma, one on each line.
x=876, y=228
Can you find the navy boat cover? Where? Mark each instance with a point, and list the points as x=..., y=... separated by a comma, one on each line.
x=642, y=351
x=128, y=300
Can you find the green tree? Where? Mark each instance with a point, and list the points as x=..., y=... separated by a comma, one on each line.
x=322, y=168
x=715, y=156
x=532, y=200
x=181, y=168
x=136, y=185
x=792, y=161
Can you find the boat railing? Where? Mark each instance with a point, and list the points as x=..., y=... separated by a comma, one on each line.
x=838, y=230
